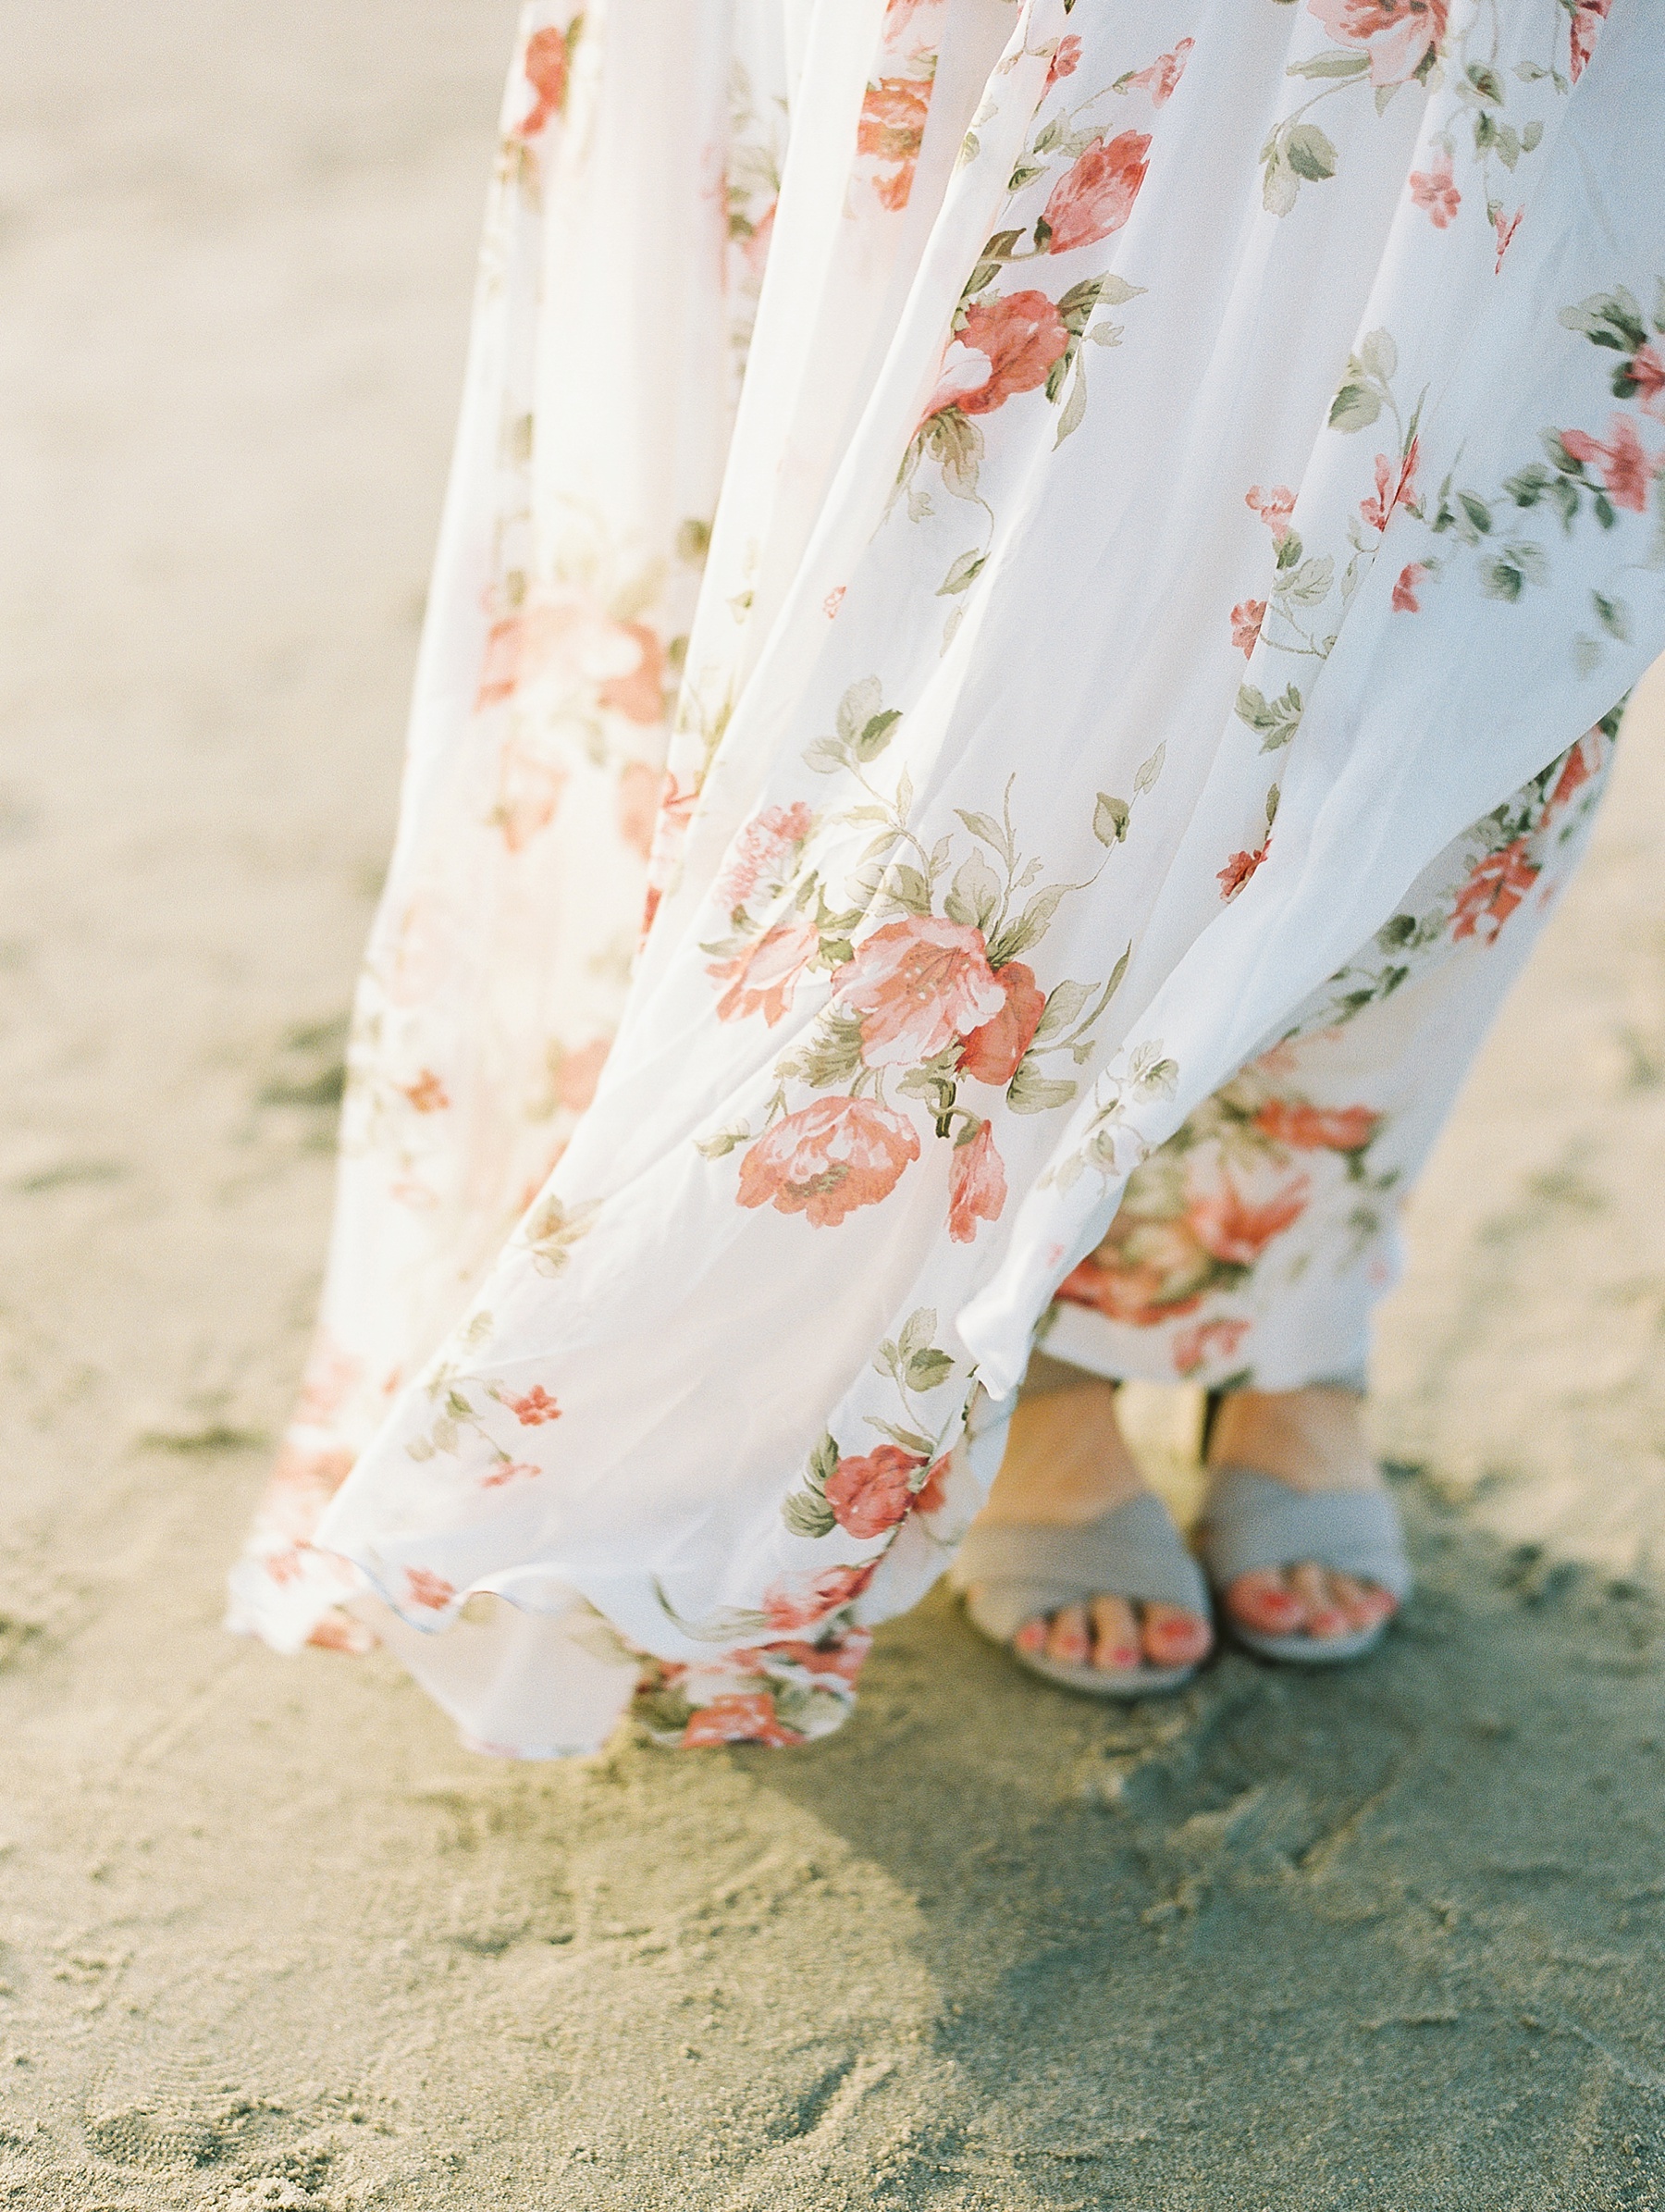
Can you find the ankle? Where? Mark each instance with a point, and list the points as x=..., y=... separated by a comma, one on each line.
x=1313, y=1439
x=1066, y=1460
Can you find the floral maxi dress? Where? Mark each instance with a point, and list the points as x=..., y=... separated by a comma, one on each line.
x=1033, y=602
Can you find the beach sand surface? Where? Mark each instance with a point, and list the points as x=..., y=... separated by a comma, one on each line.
x=1391, y=1940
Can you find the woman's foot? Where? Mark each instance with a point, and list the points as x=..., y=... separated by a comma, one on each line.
x=1313, y=1439
x=1067, y=1463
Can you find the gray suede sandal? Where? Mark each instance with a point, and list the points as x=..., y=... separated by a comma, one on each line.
x=1253, y=1521
x=1010, y=1575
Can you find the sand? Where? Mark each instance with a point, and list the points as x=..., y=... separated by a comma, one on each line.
x=1392, y=1940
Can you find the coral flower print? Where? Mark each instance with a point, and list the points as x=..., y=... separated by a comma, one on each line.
x=1235, y=1224
x=976, y=1185
x=427, y=1094
x=1095, y=197
x=1494, y=890
x=1395, y=487
x=1205, y=1340
x=746, y=1717
x=428, y=1589
x=507, y=1471
x=1274, y=507
x=1576, y=770
x=638, y=805
x=1411, y=580
x=762, y=978
x=578, y=1072
x=1246, y=620
x=1505, y=225
x=1647, y=372
x=1145, y=1272
x=761, y=852
x=1624, y=464
x=917, y=985
x=548, y=62
x=638, y=693
x=1402, y=37
x=1238, y=871
x=1587, y=18
x=890, y=132
x=828, y=1158
x=536, y=1407
x=872, y=1493
x=1435, y=191
x=1110, y=399
x=993, y=1051
x=932, y=1493
x=1005, y=347
x=805, y=1599
x=841, y=1659
x=1310, y=1128
x=1163, y=76
x=1064, y=62
x=897, y=102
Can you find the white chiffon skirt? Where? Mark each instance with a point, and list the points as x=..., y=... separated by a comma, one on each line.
x=1026, y=540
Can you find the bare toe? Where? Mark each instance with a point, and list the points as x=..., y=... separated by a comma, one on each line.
x=1115, y=1635
x=1364, y=1603
x=1322, y=1616
x=1068, y=1639
x=1174, y=1637
x=1263, y=1599
x=1032, y=1636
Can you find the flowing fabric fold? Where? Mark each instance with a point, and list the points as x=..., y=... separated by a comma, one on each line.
x=1150, y=534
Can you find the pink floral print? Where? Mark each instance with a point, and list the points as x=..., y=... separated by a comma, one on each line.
x=1625, y=465
x=917, y=985
x=1400, y=37
x=897, y=102
x=828, y=1158
x=953, y=688
x=1246, y=619
x=1435, y=190
x=976, y=1182
x=547, y=64
x=1274, y=507
x=868, y=1495
x=1161, y=79
x=1204, y=1228
x=1002, y=348
x=993, y=1053
x=1095, y=197
x=763, y=978
x=1588, y=16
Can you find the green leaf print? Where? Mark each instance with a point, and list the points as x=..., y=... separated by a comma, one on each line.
x=1277, y=720
x=1310, y=153
x=1030, y=1091
x=1110, y=819
x=876, y=734
x=963, y=572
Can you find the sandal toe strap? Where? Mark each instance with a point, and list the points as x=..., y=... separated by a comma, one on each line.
x=1022, y=1571
x=1253, y=1521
